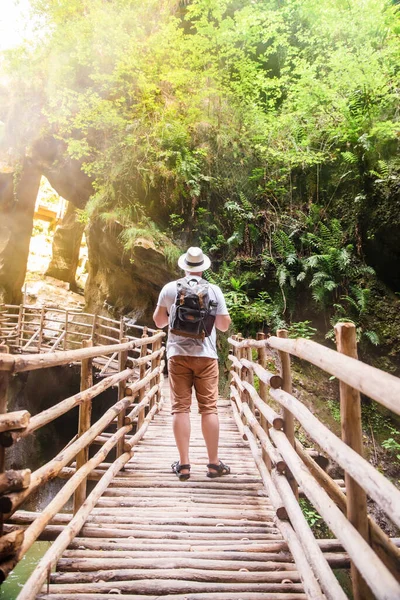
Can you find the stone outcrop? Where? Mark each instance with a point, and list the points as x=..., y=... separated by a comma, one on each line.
x=18, y=192
x=123, y=282
x=66, y=246
x=380, y=226
x=64, y=174
x=19, y=185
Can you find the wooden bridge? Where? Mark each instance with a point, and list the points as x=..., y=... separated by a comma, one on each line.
x=137, y=531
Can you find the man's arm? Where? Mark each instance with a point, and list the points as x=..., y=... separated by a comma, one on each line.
x=160, y=316
x=222, y=322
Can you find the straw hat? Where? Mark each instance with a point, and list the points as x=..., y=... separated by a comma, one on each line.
x=194, y=261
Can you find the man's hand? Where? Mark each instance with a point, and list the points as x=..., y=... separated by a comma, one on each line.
x=160, y=317
x=222, y=322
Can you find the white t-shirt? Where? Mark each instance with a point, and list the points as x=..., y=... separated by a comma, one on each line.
x=178, y=345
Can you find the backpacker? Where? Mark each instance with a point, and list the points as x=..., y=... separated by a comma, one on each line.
x=193, y=313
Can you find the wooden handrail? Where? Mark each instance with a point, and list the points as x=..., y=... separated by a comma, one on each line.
x=51, y=469
x=374, y=383
x=32, y=533
x=364, y=545
x=19, y=364
x=379, y=579
x=265, y=376
x=374, y=483
x=17, y=486
x=50, y=414
x=286, y=504
x=29, y=324
x=75, y=525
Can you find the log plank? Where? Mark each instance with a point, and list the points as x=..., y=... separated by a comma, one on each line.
x=14, y=420
x=380, y=580
x=10, y=543
x=374, y=483
x=11, y=481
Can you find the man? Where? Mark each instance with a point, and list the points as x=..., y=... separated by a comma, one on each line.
x=194, y=362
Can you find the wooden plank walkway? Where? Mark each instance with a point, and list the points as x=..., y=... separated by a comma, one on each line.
x=152, y=536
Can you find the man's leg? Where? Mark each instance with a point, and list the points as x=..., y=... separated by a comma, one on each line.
x=210, y=430
x=181, y=381
x=206, y=386
x=181, y=429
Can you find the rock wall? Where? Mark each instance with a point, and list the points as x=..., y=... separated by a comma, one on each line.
x=18, y=192
x=380, y=226
x=35, y=391
x=120, y=282
x=66, y=246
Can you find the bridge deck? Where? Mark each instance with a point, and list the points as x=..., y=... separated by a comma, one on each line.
x=152, y=536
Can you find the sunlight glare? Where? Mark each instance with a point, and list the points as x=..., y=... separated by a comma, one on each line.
x=15, y=23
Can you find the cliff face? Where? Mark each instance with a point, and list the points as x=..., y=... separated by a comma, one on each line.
x=18, y=193
x=66, y=247
x=121, y=282
x=19, y=185
x=380, y=224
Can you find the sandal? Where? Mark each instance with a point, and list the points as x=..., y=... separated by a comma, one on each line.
x=176, y=468
x=220, y=470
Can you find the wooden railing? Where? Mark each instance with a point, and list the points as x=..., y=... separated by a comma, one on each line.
x=285, y=465
x=40, y=329
x=139, y=379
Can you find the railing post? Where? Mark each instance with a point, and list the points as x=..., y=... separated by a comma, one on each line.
x=123, y=355
x=248, y=373
x=19, y=325
x=142, y=373
x=244, y=374
x=350, y=414
x=41, y=325
x=288, y=425
x=2, y=309
x=160, y=374
x=94, y=326
x=263, y=393
x=4, y=381
x=235, y=352
x=85, y=412
x=154, y=363
x=66, y=331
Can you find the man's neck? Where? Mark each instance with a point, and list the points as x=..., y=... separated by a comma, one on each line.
x=190, y=273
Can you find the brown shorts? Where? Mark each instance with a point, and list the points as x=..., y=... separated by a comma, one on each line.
x=198, y=371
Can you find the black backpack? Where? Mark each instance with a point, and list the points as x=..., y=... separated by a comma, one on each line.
x=193, y=313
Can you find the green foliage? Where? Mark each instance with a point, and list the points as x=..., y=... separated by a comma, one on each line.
x=393, y=445
x=255, y=129
x=334, y=408
x=302, y=329
x=314, y=519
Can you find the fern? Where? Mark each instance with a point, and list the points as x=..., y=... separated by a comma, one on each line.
x=291, y=259
x=282, y=274
x=301, y=276
x=235, y=239
x=283, y=245
x=318, y=295
x=318, y=278
x=330, y=285
x=245, y=203
x=311, y=262
x=373, y=337
x=383, y=169
x=349, y=157
x=343, y=259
